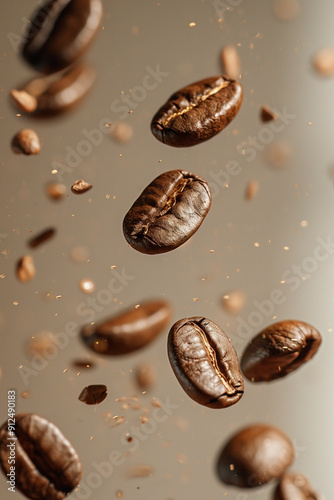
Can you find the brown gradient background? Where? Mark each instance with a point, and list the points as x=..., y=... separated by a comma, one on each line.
x=277, y=72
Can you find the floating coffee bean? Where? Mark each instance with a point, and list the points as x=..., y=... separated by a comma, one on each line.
x=167, y=213
x=41, y=237
x=60, y=32
x=93, y=394
x=46, y=464
x=279, y=349
x=56, y=94
x=27, y=142
x=128, y=331
x=255, y=455
x=80, y=187
x=24, y=101
x=196, y=113
x=295, y=487
x=205, y=362
x=25, y=269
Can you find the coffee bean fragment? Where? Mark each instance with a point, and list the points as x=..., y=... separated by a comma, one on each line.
x=252, y=189
x=93, y=394
x=231, y=61
x=41, y=237
x=60, y=32
x=129, y=330
x=323, y=61
x=46, y=464
x=205, y=362
x=279, y=349
x=27, y=142
x=254, y=456
x=25, y=269
x=83, y=364
x=197, y=112
x=167, y=213
x=140, y=471
x=24, y=101
x=234, y=301
x=81, y=187
x=122, y=132
x=145, y=376
x=294, y=486
x=56, y=191
x=267, y=114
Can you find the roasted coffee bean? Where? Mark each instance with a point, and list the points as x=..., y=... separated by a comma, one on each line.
x=167, y=213
x=255, y=455
x=27, y=142
x=267, y=114
x=25, y=269
x=294, y=486
x=196, y=113
x=130, y=330
x=60, y=32
x=56, y=94
x=205, y=362
x=93, y=394
x=24, y=101
x=42, y=237
x=46, y=464
x=279, y=349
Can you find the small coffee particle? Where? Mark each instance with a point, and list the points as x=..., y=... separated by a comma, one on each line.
x=87, y=286
x=252, y=190
x=25, y=269
x=140, y=471
x=24, y=101
x=267, y=114
x=156, y=403
x=231, y=61
x=286, y=10
x=80, y=187
x=25, y=394
x=80, y=254
x=41, y=237
x=234, y=301
x=41, y=343
x=27, y=142
x=279, y=154
x=122, y=132
x=145, y=376
x=323, y=61
x=119, y=494
x=83, y=364
x=93, y=394
x=56, y=191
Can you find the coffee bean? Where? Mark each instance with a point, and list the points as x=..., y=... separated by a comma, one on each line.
x=24, y=101
x=231, y=61
x=167, y=213
x=197, y=112
x=27, y=142
x=294, y=486
x=46, y=464
x=56, y=191
x=279, y=349
x=128, y=331
x=41, y=237
x=60, y=32
x=81, y=187
x=93, y=394
x=254, y=456
x=56, y=94
x=205, y=362
x=25, y=269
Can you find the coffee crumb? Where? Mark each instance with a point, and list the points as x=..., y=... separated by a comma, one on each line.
x=234, y=301
x=279, y=154
x=23, y=100
x=140, y=471
x=25, y=394
x=80, y=186
x=56, y=191
x=41, y=343
x=323, y=61
x=87, y=286
x=286, y=10
x=267, y=114
x=41, y=237
x=155, y=403
x=82, y=364
x=119, y=494
x=25, y=269
x=80, y=254
x=121, y=132
x=26, y=142
x=231, y=61
x=145, y=376
x=252, y=190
